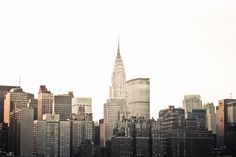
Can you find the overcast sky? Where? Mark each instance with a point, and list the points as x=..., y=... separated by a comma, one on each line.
x=183, y=46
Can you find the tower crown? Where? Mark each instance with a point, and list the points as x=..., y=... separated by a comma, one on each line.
x=118, y=83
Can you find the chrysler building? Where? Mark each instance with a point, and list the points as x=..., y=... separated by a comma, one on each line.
x=118, y=88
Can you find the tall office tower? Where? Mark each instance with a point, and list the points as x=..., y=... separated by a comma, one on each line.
x=45, y=102
x=46, y=136
x=226, y=124
x=210, y=117
x=86, y=102
x=3, y=92
x=64, y=143
x=183, y=137
x=82, y=133
x=62, y=105
x=116, y=103
x=20, y=131
x=15, y=98
x=118, y=88
x=191, y=102
x=138, y=99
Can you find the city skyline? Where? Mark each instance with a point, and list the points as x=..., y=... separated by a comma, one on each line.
x=72, y=47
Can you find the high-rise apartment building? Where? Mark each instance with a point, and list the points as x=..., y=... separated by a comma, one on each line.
x=45, y=102
x=191, y=102
x=65, y=139
x=46, y=136
x=82, y=131
x=3, y=92
x=210, y=117
x=21, y=131
x=226, y=124
x=138, y=99
x=62, y=105
x=86, y=102
x=15, y=98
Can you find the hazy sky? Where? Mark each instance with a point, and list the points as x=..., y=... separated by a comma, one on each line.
x=183, y=46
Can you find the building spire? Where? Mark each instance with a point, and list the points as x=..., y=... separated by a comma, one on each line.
x=118, y=49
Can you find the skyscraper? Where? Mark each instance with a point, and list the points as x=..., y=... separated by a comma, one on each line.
x=82, y=131
x=65, y=139
x=118, y=88
x=3, y=92
x=226, y=124
x=86, y=102
x=138, y=99
x=191, y=102
x=116, y=103
x=210, y=117
x=62, y=105
x=46, y=136
x=15, y=98
x=21, y=130
x=45, y=102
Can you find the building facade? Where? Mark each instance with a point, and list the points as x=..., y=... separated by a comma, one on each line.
x=191, y=102
x=62, y=105
x=15, y=98
x=65, y=139
x=45, y=102
x=182, y=137
x=21, y=131
x=86, y=102
x=226, y=124
x=116, y=103
x=82, y=133
x=3, y=91
x=210, y=117
x=46, y=136
x=138, y=99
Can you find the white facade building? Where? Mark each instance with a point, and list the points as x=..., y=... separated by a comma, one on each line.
x=138, y=100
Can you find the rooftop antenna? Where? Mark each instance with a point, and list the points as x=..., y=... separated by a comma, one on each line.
x=230, y=95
